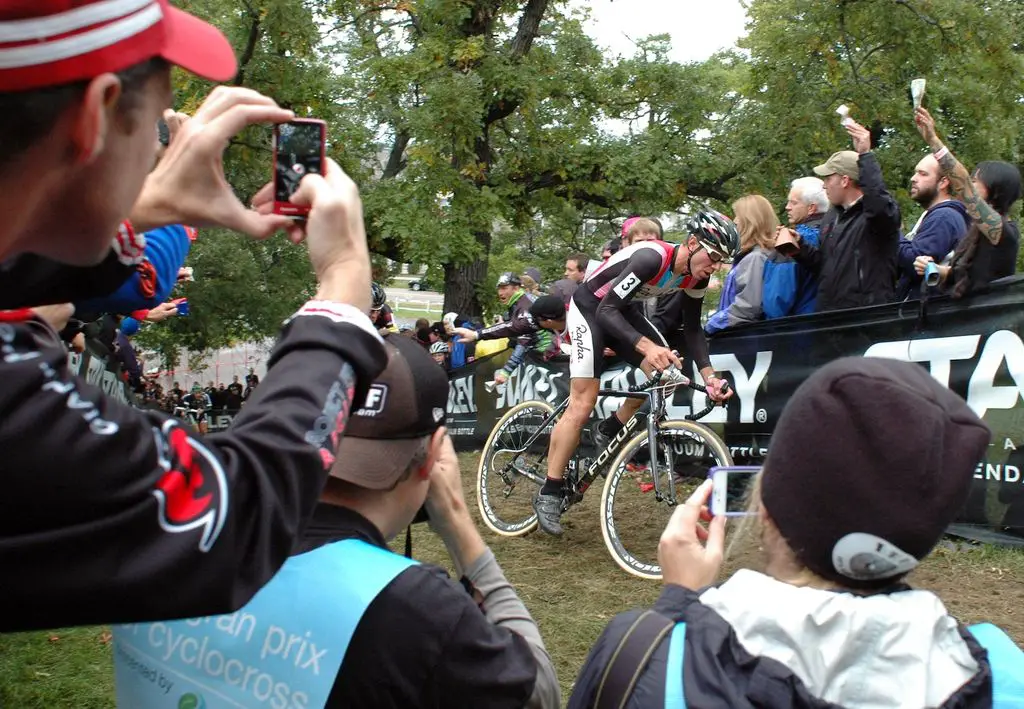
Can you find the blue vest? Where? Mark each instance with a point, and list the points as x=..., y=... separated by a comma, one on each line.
x=282, y=650
x=1004, y=657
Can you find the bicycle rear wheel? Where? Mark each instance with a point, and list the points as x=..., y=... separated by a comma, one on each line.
x=632, y=518
x=510, y=472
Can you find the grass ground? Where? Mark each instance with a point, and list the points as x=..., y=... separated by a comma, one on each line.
x=413, y=315
x=569, y=584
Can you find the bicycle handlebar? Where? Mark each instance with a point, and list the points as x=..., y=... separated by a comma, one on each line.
x=684, y=381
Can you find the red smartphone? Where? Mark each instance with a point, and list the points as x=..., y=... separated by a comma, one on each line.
x=299, y=149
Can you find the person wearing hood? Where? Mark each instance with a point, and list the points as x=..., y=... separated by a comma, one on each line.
x=840, y=521
x=939, y=229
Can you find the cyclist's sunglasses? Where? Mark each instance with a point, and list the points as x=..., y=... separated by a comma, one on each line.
x=715, y=255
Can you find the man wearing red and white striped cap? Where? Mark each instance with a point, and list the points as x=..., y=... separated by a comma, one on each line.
x=112, y=514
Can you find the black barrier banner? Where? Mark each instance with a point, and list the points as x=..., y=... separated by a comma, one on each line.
x=973, y=346
x=220, y=420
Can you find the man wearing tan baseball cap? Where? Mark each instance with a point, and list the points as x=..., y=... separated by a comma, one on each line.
x=842, y=163
x=385, y=630
x=855, y=263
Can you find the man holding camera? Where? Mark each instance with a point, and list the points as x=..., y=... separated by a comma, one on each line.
x=387, y=631
x=127, y=511
x=937, y=232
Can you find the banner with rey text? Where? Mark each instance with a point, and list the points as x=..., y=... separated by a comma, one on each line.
x=973, y=346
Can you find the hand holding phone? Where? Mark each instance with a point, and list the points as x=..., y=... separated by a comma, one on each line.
x=188, y=186
x=730, y=486
x=299, y=150
x=333, y=232
x=691, y=555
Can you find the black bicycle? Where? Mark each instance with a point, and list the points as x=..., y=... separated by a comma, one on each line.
x=640, y=489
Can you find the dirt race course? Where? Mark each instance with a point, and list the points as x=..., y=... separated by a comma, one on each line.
x=571, y=586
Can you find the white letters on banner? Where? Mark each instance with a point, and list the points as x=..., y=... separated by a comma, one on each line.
x=939, y=352
x=531, y=381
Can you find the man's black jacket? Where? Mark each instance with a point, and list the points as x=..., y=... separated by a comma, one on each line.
x=111, y=514
x=856, y=262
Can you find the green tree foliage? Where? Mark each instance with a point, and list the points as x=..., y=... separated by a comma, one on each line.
x=806, y=58
x=489, y=135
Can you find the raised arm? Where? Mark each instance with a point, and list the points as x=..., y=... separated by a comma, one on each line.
x=989, y=221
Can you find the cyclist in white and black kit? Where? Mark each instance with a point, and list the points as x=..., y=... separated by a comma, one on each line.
x=199, y=401
x=602, y=314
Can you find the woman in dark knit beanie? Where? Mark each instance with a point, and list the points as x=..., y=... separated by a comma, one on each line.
x=869, y=463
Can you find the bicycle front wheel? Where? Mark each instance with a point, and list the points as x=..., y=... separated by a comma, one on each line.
x=512, y=468
x=632, y=516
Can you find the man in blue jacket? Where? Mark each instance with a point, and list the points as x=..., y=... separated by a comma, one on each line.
x=939, y=229
x=789, y=288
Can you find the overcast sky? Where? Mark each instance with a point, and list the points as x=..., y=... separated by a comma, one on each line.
x=699, y=28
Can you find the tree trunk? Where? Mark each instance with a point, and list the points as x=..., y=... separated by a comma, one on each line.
x=461, y=281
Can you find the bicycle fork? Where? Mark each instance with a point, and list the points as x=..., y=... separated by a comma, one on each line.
x=661, y=492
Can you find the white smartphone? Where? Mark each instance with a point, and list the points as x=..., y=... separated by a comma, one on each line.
x=729, y=485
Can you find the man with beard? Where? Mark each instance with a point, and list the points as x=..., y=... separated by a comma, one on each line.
x=939, y=229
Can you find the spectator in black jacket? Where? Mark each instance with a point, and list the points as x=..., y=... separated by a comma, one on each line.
x=251, y=382
x=233, y=397
x=386, y=631
x=856, y=263
x=124, y=510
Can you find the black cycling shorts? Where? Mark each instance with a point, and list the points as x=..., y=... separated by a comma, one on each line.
x=588, y=340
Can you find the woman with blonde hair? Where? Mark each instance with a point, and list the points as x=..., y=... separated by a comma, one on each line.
x=870, y=462
x=741, y=300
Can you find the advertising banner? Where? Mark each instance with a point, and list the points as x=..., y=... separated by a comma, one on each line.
x=103, y=372
x=973, y=346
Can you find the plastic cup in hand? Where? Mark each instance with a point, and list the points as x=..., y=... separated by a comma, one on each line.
x=182, y=308
x=844, y=111
x=931, y=275
x=917, y=91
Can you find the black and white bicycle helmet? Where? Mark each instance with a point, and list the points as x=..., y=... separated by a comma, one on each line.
x=378, y=296
x=439, y=348
x=715, y=232
x=509, y=279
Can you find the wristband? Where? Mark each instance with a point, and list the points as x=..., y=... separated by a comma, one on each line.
x=939, y=154
x=341, y=313
x=128, y=245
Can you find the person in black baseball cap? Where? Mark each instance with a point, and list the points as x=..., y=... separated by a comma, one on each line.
x=383, y=629
x=546, y=316
x=403, y=412
x=870, y=462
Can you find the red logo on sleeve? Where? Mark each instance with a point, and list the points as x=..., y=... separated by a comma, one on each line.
x=192, y=493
